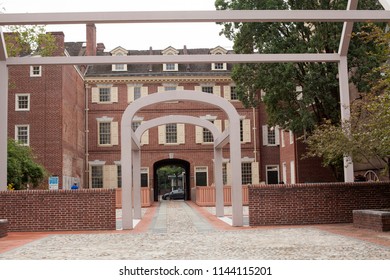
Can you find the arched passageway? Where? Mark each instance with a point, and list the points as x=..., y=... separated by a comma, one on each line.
x=172, y=162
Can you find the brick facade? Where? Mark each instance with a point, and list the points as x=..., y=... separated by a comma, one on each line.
x=3, y=228
x=378, y=220
x=56, y=115
x=314, y=203
x=42, y=210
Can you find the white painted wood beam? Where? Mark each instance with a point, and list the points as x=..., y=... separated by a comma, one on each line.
x=347, y=30
x=159, y=59
x=194, y=16
x=3, y=49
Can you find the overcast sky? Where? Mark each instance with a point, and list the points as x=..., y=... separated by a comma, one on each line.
x=131, y=36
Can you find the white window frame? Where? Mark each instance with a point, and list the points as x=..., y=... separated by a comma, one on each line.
x=120, y=67
x=35, y=68
x=17, y=108
x=17, y=133
x=114, y=138
x=265, y=130
x=170, y=51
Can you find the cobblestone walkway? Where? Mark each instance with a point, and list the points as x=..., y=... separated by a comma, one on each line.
x=178, y=231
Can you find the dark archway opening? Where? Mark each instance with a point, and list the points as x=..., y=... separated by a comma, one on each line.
x=184, y=178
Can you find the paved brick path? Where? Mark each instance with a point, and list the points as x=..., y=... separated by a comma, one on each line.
x=178, y=230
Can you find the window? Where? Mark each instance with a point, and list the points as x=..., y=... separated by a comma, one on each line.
x=171, y=133
x=105, y=133
x=221, y=66
x=97, y=176
x=119, y=175
x=270, y=136
x=22, y=102
x=104, y=94
x=169, y=88
x=201, y=176
x=233, y=93
x=224, y=173
x=246, y=173
x=144, y=177
x=119, y=51
x=137, y=92
x=135, y=125
x=22, y=134
x=207, y=89
x=207, y=135
x=170, y=66
x=35, y=71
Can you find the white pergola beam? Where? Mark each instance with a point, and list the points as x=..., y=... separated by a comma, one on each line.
x=347, y=30
x=181, y=59
x=195, y=16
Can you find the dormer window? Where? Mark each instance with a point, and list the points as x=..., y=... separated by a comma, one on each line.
x=219, y=66
x=119, y=51
x=170, y=66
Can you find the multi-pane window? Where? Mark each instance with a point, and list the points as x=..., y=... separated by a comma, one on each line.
x=22, y=102
x=119, y=175
x=233, y=93
x=144, y=177
x=271, y=136
x=219, y=66
x=170, y=67
x=169, y=88
x=105, y=133
x=171, y=133
x=22, y=134
x=207, y=89
x=224, y=173
x=241, y=130
x=207, y=135
x=35, y=71
x=137, y=92
x=246, y=173
x=135, y=125
x=104, y=94
x=97, y=176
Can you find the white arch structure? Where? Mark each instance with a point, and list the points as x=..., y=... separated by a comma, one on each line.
x=348, y=17
x=130, y=150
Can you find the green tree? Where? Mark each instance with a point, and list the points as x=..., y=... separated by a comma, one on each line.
x=22, y=169
x=29, y=40
x=366, y=137
x=298, y=96
x=166, y=171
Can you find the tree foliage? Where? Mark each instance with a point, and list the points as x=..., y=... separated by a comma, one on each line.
x=29, y=40
x=366, y=136
x=22, y=167
x=298, y=96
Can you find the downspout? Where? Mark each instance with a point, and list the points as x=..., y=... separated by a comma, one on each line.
x=254, y=134
x=86, y=173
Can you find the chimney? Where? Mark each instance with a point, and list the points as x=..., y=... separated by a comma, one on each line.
x=91, y=40
x=60, y=43
x=150, y=65
x=185, y=52
x=100, y=47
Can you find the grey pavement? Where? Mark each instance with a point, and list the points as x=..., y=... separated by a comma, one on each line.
x=178, y=231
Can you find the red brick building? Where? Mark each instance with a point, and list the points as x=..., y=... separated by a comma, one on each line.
x=46, y=112
x=71, y=117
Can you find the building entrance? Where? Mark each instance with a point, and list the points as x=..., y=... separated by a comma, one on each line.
x=177, y=177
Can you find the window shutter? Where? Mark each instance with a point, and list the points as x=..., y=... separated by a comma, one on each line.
x=247, y=130
x=265, y=135
x=255, y=173
x=145, y=138
x=130, y=94
x=226, y=124
x=144, y=91
x=277, y=135
x=95, y=95
x=227, y=92
x=181, y=138
x=217, y=90
x=218, y=124
x=179, y=88
x=106, y=176
x=160, y=89
x=198, y=135
x=114, y=94
x=161, y=134
x=198, y=88
x=114, y=133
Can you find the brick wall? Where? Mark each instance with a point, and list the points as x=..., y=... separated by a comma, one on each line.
x=42, y=210
x=314, y=203
x=372, y=219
